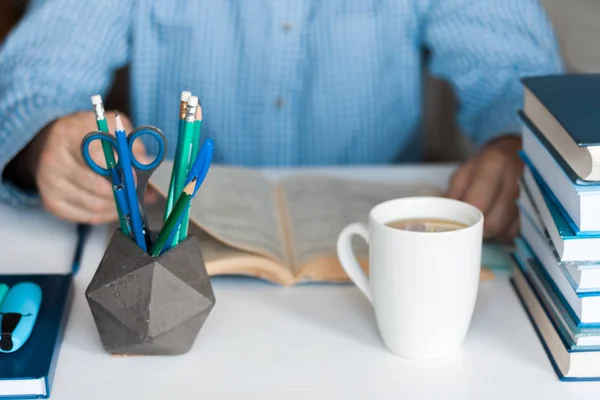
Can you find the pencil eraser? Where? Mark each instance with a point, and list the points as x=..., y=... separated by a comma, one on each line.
x=193, y=101
x=185, y=96
x=96, y=99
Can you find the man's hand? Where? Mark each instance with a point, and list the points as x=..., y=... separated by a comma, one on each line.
x=489, y=181
x=68, y=188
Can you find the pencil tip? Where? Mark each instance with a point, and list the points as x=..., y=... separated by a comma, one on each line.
x=189, y=189
x=118, y=123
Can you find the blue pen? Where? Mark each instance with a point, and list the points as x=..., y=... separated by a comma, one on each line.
x=18, y=314
x=130, y=188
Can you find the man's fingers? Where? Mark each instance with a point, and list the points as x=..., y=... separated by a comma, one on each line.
x=83, y=177
x=501, y=216
x=70, y=203
x=513, y=231
x=460, y=181
x=483, y=189
x=71, y=212
x=75, y=195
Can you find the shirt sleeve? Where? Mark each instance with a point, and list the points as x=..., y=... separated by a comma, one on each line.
x=61, y=53
x=483, y=48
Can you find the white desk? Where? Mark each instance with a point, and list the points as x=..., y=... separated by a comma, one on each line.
x=312, y=342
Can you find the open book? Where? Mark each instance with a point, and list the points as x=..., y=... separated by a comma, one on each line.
x=284, y=231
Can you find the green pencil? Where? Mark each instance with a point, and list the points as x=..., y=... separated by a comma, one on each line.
x=185, y=222
x=3, y=292
x=177, y=159
x=175, y=216
x=109, y=156
x=181, y=169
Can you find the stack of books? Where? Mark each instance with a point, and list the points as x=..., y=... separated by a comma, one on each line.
x=557, y=255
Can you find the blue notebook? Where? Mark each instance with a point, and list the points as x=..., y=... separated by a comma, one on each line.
x=29, y=372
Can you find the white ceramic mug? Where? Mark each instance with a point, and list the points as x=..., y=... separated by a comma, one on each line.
x=423, y=285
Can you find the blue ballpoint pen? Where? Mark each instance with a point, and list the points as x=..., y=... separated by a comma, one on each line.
x=130, y=188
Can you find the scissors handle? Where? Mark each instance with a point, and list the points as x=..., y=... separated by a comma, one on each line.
x=135, y=134
x=144, y=171
x=162, y=147
x=85, y=150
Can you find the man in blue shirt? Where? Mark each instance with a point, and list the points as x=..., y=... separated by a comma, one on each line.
x=282, y=82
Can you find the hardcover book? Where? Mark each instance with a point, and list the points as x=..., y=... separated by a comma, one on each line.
x=565, y=109
x=570, y=245
x=578, y=201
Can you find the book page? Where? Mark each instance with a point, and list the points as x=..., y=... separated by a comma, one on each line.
x=237, y=207
x=319, y=207
x=222, y=259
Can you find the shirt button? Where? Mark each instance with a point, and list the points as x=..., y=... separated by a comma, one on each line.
x=280, y=103
x=287, y=26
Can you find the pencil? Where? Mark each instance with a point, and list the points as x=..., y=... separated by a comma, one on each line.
x=185, y=95
x=181, y=169
x=3, y=292
x=183, y=230
x=174, y=219
x=109, y=156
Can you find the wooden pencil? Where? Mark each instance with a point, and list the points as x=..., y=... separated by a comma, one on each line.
x=173, y=221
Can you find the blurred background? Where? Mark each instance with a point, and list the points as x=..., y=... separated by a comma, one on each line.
x=575, y=22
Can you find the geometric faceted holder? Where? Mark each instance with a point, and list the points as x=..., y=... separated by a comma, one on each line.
x=145, y=305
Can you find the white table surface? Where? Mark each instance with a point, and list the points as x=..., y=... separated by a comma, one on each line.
x=317, y=341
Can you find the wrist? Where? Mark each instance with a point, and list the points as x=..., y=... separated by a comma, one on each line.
x=508, y=142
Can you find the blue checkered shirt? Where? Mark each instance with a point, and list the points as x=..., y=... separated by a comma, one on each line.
x=281, y=82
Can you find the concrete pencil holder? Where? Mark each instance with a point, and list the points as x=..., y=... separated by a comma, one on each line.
x=145, y=305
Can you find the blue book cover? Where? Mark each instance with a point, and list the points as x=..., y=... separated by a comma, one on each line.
x=36, y=360
x=575, y=179
x=573, y=101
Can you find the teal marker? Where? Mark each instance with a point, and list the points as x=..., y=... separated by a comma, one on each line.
x=3, y=291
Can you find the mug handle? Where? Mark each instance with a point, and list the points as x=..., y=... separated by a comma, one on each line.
x=348, y=259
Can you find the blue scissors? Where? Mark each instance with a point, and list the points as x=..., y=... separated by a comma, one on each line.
x=129, y=196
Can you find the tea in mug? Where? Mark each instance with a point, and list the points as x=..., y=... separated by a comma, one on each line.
x=426, y=225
